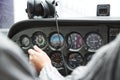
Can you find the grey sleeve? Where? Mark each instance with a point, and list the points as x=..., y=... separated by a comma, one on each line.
x=13, y=63
x=50, y=73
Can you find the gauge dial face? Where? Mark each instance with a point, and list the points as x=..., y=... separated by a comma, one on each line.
x=94, y=41
x=39, y=39
x=56, y=59
x=75, y=60
x=75, y=41
x=56, y=40
x=25, y=41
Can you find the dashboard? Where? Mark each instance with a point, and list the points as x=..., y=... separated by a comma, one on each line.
x=70, y=44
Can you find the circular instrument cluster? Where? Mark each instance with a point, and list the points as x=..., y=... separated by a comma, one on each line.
x=56, y=45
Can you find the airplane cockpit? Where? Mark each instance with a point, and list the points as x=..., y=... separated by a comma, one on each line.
x=69, y=31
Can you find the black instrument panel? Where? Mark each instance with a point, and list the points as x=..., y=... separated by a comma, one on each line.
x=72, y=46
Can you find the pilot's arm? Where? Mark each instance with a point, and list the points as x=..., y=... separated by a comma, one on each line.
x=13, y=63
x=103, y=66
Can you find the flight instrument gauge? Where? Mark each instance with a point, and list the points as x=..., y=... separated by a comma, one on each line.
x=25, y=41
x=39, y=39
x=94, y=41
x=56, y=40
x=74, y=60
x=74, y=41
x=56, y=58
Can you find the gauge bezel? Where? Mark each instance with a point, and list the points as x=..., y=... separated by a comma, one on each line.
x=44, y=36
x=67, y=60
x=68, y=46
x=85, y=39
x=60, y=56
x=20, y=43
x=52, y=47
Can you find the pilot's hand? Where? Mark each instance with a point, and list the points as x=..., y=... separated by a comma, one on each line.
x=38, y=58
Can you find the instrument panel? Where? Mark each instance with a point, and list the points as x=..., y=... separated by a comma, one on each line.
x=73, y=45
